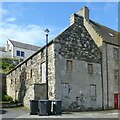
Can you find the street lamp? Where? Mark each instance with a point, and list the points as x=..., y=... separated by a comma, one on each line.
x=46, y=31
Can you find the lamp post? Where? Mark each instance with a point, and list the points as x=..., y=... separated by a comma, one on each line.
x=46, y=31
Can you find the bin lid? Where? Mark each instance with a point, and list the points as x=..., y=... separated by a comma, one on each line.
x=34, y=100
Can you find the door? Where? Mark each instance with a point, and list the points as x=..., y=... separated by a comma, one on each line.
x=116, y=101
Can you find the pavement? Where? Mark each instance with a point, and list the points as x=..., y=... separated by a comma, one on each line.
x=24, y=113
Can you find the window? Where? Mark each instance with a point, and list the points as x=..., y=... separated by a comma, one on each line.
x=22, y=54
x=15, y=80
x=93, y=90
x=20, y=78
x=43, y=72
x=69, y=65
x=31, y=61
x=115, y=53
x=18, y=53
x=11, y=81
x=31, y=73
x=90, y=68
x=65, y=89
x=116, y=75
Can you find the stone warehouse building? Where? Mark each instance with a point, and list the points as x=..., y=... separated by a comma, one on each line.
x=82, y=68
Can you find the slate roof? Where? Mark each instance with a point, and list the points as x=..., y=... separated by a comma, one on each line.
x=108, y=35
x=24, y=45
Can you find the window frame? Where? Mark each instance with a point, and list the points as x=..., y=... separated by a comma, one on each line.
x=69, y=65
x=95, y=90
x=22, y=54
x=18, y=53
x=90, y=68
x=43, y=76
x=115, y=53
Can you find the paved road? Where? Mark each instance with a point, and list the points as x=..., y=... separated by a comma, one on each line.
x=24, y=113
x=13, y=112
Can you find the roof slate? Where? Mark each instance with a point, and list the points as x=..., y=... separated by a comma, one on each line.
x=108, y=35
x=24, y=45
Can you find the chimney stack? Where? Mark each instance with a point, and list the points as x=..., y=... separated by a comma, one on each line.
x=84, y=12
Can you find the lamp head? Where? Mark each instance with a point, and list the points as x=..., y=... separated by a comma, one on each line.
x=47, y=31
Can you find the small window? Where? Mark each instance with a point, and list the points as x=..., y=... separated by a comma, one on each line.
x=22, y=54
x=69, y=65
x=15, y=80
x=20, y=78
x=31, y=73
x=93, y=90
x=116, y=75
x=115, y=53
x=90, y=68
x=18, y=53
x=42, y=53
x=11, y=81
x=31, y=61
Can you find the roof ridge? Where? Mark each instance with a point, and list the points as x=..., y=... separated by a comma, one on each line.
x=22, y=43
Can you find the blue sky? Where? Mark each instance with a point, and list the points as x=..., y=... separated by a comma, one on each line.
x=26, y=21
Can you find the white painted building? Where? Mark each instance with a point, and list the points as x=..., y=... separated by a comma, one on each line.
x=15, y=49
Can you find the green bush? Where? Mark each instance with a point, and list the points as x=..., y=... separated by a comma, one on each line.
x=7, y=98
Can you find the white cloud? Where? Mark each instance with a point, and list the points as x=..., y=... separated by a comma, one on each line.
x=3, y=11
x=32, y=34
x=12, y=19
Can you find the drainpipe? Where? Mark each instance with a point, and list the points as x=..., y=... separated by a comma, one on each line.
x=107, y=77
x=102, y=82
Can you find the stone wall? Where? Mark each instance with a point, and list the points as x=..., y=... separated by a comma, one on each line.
x=109, y=65
x=76, y=44
x=22, y=87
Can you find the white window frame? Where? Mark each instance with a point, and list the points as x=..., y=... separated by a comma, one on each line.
x=43, y=72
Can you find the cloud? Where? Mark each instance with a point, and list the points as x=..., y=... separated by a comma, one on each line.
x=3, y=11
x=12, y=19
x=32, y=34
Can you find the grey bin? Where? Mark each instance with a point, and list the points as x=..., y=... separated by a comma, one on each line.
x=57, y=104
x=44, y=107
x=33, y=107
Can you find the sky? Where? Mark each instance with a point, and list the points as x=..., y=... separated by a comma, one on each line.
x=26, y=21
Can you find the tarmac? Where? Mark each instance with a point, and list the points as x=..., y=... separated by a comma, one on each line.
x=22, y=113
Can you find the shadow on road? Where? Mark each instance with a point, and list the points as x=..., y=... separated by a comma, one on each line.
x=3, y=111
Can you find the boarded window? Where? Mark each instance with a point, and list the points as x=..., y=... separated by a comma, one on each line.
x=93, y=90
x=90, y=68
x=65, y=89
x=69, y=65
x=43, y=72
x=115, y=53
